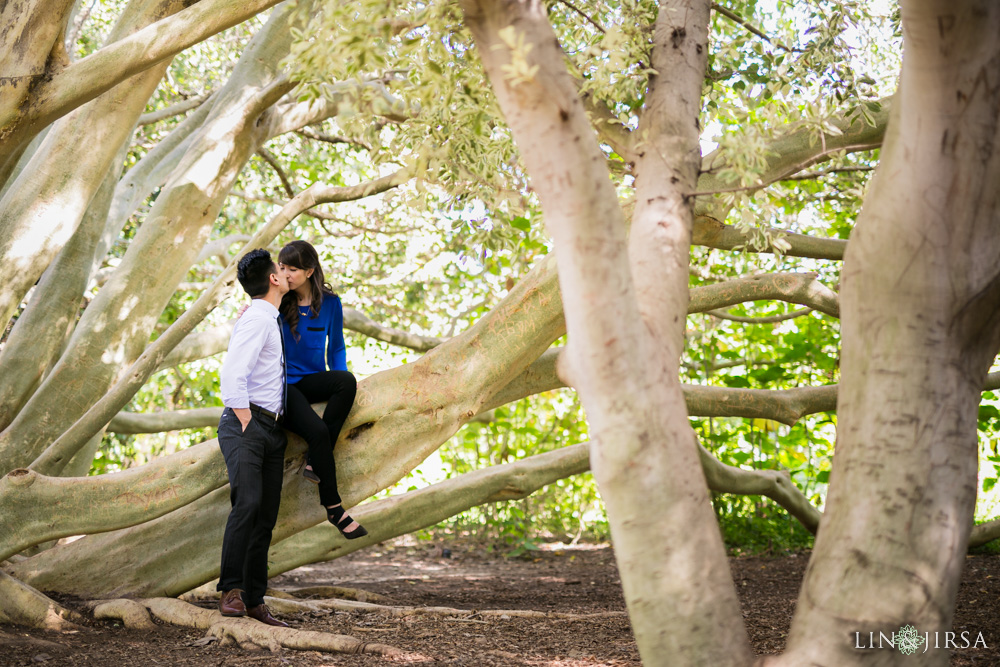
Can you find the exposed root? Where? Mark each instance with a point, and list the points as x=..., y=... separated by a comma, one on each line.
x=984, y=532
x=132, y=614
x=23, y=605
x=338, y=592
x=250, y=634
x=319, y=606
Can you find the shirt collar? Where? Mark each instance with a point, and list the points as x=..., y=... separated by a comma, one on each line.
x=264, y=306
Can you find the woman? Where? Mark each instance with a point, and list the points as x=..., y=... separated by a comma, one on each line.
x=312, y=324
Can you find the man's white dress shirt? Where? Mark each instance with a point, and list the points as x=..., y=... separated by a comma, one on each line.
x=252, y=371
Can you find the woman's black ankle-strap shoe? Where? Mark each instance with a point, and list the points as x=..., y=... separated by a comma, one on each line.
x=339, y=517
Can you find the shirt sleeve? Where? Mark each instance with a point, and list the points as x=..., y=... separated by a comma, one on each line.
x=244, y=348
x=336, y=350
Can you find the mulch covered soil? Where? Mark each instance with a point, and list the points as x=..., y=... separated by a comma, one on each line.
x=580, y=580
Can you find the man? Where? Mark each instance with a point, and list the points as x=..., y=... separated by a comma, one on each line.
x=252, y=440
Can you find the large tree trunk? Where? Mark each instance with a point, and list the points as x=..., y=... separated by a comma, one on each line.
x=41, y=332
x=920, y=316
x=43, y=207
x=626, y=324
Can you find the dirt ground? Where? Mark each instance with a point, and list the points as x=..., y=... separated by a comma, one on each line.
x=582, y=579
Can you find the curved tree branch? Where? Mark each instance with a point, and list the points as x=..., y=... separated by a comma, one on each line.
x=102, y=503
x=273, y=163
x=107, y=67
x=173, y=110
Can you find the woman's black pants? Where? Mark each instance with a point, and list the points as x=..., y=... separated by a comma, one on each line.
x=337, y=388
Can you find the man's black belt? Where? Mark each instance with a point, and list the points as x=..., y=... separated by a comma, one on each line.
x=257, y=410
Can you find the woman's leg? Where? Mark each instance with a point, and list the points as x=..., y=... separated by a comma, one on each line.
x=338, y=389
x=303, y=421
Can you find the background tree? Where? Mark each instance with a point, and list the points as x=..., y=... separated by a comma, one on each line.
x=747, y=130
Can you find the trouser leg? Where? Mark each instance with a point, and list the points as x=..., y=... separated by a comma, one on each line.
x=255, y=567
x=244, y=455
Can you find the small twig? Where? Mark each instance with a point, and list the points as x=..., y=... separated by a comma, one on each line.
x=173, y=110
x=78, y=22
x=813, y=159
x=736, y=18
x=331, y=138
x=819, y=174
x=271, y=160
x=584, y=15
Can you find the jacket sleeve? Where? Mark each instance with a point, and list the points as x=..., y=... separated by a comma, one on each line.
x=336, y=350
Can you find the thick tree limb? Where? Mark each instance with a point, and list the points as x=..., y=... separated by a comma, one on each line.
x=355, y=320
x=199, y=345
x=41, y=331
x=30, y=49
x=22, y=604
x=102, y=70
x=35, y=508
x=769, y=319
x=984, y=532
x=219, y=248
x=902, y=493
x=405, y=513
x=800, y=288
x=786, y=155
x=160, y=422
x=714, y=234
x=44, y=206
x=154, y=167
x=775, y=484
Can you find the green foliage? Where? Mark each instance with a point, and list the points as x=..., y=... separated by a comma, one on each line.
x=567, y=509
x=752, y=526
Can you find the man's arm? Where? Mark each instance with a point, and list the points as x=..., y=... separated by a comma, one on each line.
x=244, y=348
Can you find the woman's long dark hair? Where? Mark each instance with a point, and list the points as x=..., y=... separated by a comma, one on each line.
x=301, y=255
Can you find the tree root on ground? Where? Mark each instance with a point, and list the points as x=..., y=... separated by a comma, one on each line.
x=208, y=592
x=23, y=605
x=319, y=606
x=338, y=592
x=131, y=613
x=245, y=632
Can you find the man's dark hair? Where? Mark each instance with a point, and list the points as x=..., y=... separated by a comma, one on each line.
x=254, y=272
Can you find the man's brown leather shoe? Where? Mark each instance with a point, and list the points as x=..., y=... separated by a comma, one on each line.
x=231, y=604
x=263, y=614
